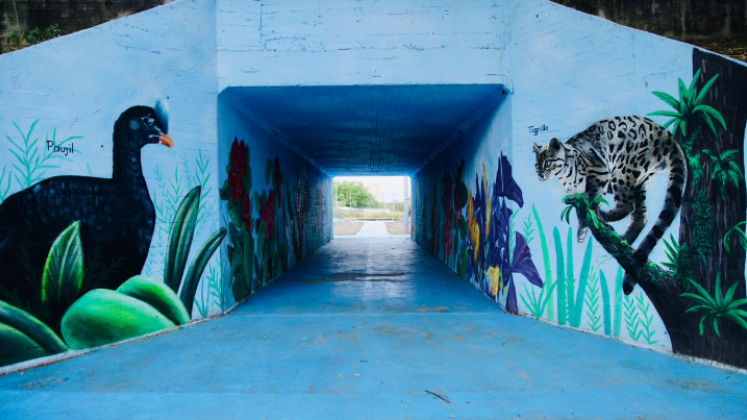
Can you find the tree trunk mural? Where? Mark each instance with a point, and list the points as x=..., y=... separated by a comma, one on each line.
x=707, y=264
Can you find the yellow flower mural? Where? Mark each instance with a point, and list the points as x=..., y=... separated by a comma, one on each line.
x=474, y=228
x=494, y=273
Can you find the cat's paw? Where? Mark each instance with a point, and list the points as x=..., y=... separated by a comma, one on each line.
x=581, y=235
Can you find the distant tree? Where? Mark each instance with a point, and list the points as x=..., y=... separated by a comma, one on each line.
x=353, y=194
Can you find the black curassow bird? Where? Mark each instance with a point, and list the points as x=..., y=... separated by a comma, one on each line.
x=116, y=215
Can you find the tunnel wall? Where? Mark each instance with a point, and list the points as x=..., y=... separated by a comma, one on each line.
x=59, y=102
x=276, y=205
x=569, y=71
x=312, y=43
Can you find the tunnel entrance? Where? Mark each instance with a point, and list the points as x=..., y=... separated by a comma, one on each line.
x=283, y=146
x=371, y=207
x=359, y=130
x=299, y=138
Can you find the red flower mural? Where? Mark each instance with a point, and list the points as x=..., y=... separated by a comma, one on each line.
x=239, y=164
x=239, y=156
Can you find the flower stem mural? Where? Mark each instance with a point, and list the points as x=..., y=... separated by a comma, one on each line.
x=265, y=223
x=481, y=245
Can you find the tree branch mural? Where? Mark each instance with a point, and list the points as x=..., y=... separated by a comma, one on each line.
x=699, y=292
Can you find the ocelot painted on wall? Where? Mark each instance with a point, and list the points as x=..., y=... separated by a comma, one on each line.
x=619, y=156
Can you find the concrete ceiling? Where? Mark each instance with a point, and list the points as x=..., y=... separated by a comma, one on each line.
x=369, y=130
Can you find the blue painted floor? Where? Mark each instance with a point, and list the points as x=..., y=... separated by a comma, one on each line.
x=360, y=330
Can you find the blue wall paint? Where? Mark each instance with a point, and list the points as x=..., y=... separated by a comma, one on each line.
x=302, y=223
x=361, y=43
x=564, y=70
x=367, y=129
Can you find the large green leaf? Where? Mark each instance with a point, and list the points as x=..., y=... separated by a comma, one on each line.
x=157, y=295
x=63, y=272
x=180, y=239
x=103, y=317
x=198, y=266
x=16, y=347
x=34, y=329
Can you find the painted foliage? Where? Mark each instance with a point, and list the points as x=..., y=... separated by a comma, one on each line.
x=466, y=209
x=73, y=248
x=698, y=291
x=268, y=226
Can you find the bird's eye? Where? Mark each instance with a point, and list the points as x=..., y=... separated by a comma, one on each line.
x=148, y=121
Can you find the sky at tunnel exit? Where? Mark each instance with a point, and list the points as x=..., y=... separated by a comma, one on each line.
x=392, y=187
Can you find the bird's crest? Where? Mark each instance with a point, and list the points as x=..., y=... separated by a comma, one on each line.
x=162, y=113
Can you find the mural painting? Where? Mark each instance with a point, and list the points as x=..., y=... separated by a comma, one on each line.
x=264, y=225
x=73, y=248
x=699, y=291
x=673, y=279
x=482, y=245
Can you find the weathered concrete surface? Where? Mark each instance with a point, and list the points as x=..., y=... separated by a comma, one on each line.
x=365, y=330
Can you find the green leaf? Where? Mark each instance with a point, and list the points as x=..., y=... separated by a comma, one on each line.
x=715, y=327
x=694, y=82
x=670, y=122
x=669, y=99
x=157, y=295
x=701, y=326
x=697, y=308
x=683, y=127
x=103, y=317
x=180, y=239
x=30, y=326
x=16, y=347
x=738, y=320
x=708, y=121
x=198, y=267
x=737, y=303
x=719, y=293
x=698, y=298
x=729, y=155
x=63, y=272
x=711, y=112
x=730, y=293
x=665, y=114
x=704, y=91
x=683, y=97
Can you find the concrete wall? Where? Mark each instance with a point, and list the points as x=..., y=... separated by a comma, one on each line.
x=371, y=42
x=277, y=206
x=568, y=71
x=60, y=101
x=104, y=233
x=499, y=228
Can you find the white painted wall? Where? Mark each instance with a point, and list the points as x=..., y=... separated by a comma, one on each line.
x=79, y=84
x=343, y=42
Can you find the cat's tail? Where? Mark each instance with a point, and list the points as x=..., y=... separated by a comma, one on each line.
x=672, y=203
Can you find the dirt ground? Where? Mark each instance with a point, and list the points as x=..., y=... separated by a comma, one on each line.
x=347, y=228
x=396, y=228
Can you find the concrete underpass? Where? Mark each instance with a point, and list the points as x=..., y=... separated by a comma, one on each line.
x=372, y=329
x=214, y=287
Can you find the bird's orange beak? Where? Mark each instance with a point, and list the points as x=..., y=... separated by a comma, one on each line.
x=166, y=141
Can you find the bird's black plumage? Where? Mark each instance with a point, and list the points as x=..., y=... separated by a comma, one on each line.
x=116, y=217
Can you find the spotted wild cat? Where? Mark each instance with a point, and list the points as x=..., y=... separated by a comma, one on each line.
x=619, y=156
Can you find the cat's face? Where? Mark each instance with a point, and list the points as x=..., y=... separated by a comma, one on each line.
x=550, y=159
